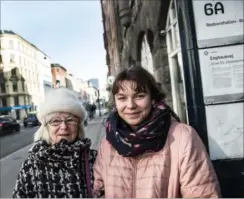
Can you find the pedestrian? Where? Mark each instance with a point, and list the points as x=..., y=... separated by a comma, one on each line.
x=94, y=107
x=59, y=165
x=147, y=151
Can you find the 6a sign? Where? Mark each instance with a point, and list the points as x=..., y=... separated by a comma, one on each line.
x=216, y=20
x=213, y=8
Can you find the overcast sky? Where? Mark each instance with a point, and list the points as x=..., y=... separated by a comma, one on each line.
x=70, y=32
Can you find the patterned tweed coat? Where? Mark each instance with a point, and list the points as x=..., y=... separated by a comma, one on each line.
x=56, y=171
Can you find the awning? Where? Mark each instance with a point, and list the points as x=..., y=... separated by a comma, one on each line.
x=9, y=108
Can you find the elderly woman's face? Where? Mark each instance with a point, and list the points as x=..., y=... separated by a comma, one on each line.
x=132, y=107
x=62, y=126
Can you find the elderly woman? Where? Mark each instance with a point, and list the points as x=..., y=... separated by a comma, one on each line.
x=148, y=152
x=59, y=165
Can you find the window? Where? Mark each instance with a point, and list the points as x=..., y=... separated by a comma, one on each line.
x=4, y=101
x=57, y=83
x=12, y=58
x=146, y=56
x=16, y=101
x=11, y=44
x=175, y=63
x=17, y=114
x=3, y=90
x=13, y=72
x=15, y=86
x=23, y=86
x=20, y=60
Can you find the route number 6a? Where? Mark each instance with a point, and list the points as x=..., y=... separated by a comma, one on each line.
x=211, y=9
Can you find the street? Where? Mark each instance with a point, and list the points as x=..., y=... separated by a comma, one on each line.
x=14, y=148
x=9, y=143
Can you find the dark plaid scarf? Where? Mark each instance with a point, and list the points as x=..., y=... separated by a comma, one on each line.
x=149, y=136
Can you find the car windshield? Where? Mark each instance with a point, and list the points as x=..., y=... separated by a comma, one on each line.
x=3, y=119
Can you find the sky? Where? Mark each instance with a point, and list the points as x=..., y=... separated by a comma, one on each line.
x=69, y=32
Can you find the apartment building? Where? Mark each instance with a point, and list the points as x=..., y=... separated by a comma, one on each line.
x=25, y=75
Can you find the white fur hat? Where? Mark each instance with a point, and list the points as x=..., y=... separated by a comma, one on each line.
x=61, y=100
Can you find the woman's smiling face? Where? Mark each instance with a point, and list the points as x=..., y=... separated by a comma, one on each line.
x=132, y=106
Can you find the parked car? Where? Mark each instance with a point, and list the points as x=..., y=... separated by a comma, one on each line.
x=8, y=125
x=31, y=120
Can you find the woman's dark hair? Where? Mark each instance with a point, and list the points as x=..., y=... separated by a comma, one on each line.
x=142, y=81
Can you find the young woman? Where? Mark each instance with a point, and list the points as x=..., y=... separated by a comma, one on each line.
x=148, y=152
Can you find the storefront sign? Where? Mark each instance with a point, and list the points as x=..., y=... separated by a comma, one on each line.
x=225, y=130
x=218, y=22
x=222, y=74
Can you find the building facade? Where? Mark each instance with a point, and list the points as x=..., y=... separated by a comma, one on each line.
x=144, y=33
x=111, y=36
x=23, y=68
x=61, y=78
x=45, y=76
x=59, y=74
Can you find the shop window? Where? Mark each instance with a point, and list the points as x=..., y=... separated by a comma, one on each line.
x=16, y=101
x=17, y=114
x=4, y=102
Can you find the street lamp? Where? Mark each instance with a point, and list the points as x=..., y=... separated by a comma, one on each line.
x=98, y=95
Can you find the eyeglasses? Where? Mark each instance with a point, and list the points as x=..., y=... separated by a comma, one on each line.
x=58, y=121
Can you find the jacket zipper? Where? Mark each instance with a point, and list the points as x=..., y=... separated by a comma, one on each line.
x=134, y=178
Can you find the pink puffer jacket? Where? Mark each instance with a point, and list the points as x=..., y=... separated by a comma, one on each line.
x=181, y=169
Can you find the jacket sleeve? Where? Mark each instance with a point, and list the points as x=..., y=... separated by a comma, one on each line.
x=98, y=188
x=197, y=176
x=20, y=186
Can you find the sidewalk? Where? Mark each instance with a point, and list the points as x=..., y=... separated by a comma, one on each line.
x=10, y=166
